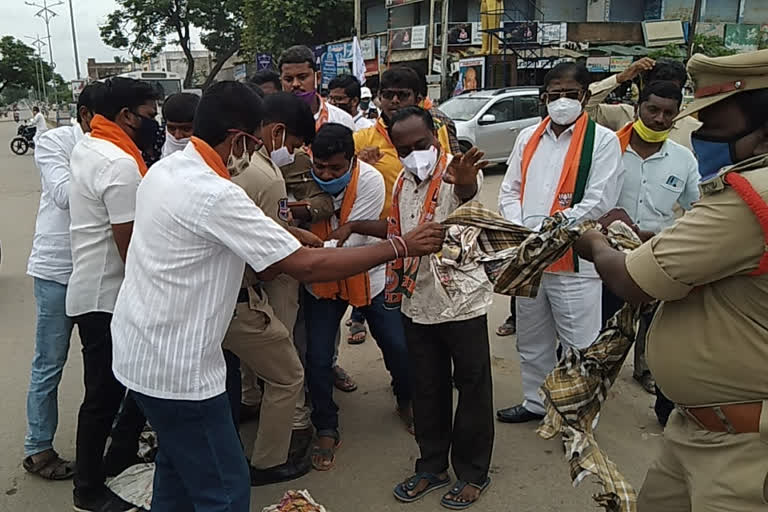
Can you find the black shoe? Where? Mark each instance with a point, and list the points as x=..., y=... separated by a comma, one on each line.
x=290, y=470
x=102, y=501
x=517, y=414
x=300, y=441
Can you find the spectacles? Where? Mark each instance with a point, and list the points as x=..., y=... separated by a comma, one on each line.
x=389, y=94
x=339, y=100
x=257, y=141
x=571, y=94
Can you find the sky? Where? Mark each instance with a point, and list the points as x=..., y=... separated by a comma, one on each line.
x=18, y=20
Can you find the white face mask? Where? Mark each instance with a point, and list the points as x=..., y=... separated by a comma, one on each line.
x=564, y=111
x=237, y=164
x=281, y=156
x=172, y=144
x=421, y=162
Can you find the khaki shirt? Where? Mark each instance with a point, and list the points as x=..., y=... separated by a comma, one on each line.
x=616, y=117
x=708, y=342
x=300, y=185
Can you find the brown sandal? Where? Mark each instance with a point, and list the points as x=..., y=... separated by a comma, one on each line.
x=50, y=466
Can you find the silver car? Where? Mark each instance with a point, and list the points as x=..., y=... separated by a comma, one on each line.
x=492, y=119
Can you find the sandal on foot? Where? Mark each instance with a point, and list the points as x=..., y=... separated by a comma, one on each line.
x=342, y=380
x=50, y=466
x=357, y=333
x=326, y=453
x=506, y=329
x=458, y=488
x=433, y=482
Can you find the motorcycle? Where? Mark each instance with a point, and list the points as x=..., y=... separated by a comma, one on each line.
x=23, y=140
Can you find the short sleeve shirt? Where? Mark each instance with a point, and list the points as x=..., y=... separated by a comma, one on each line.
x=707, y=343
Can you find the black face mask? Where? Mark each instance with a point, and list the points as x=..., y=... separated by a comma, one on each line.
x=146, y=132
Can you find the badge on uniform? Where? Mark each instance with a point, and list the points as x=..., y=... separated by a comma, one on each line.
x=283, y=212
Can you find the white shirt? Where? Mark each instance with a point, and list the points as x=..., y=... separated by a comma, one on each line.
x=603, y=186
x=336, y=115
x=430, y=304
x=653, y=186
x=39, y=121
x=193, y=233
x=367, y=206
x=51, y=256
x=362, y=122
x=102, y=192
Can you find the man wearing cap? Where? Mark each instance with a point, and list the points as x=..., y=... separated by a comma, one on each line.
x=707, y=344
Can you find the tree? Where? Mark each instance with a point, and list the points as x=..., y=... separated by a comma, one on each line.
x=222, y=26
x=17, y=64
x=273, y=25
x=711, y=46
x=144, y=27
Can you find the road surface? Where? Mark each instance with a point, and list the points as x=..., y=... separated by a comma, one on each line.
x=528, y=473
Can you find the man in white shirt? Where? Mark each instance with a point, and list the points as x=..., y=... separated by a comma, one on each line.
x=38, y=121
x=447, y=340
x=358, y=194
x=178, y=114
x=106, y=167
x=660, y=174
x=344, y=92
x=50, y=264
x=298, y=72
x=570, y=164
x=194, y=231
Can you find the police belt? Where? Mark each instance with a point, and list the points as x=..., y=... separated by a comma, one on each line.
x=741, y=418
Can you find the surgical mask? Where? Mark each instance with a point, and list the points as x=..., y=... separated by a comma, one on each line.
x=648, y=135
x=172, y=144
x=335, y=185
x=309, y=96
x=564, y=111
x=712, y=155
x=281, y=156
x=237, y=164
x=420, y=162
x=146, y=133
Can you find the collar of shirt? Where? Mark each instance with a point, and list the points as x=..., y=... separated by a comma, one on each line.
x=661, y=153
x=549, y=131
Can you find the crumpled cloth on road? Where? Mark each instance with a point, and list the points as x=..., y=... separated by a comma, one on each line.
x=134, y=485
x=515, y=259
x=296, y=501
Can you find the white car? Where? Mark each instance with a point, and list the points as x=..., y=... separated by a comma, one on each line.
x=491, y=120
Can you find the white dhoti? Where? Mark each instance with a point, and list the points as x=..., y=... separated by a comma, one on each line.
x=567, y=309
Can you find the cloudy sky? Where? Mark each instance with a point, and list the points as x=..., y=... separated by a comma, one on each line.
x=18, y=19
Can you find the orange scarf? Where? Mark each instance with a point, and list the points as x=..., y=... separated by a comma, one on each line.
x=104, y=129
x=566, y=184
x=210, y=157
x=323, y=118
x=355, y=290
x=382, y=129
x=427, y=104
x=402, y=272
x=625, y=135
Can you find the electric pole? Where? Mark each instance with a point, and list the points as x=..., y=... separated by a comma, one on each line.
x=444, y=66
x=692, y=29
x=74, y=40
x=43, y=90
x=46, y=13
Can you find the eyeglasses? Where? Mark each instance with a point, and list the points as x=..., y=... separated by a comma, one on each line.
x=257, y=141
x=389, y=94
x=339, y=100
x=571, y=94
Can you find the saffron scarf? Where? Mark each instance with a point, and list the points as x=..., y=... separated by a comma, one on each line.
x=210, y=157
x=104, y=129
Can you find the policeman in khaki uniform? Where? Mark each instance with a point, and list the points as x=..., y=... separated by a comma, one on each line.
x=708, y=343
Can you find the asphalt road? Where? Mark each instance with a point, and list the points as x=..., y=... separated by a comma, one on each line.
x=528, y=473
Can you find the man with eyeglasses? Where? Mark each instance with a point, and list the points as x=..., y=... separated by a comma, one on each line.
x=400, y=88
x=565, y=164
x=344, y=92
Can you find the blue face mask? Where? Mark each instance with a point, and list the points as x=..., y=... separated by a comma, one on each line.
x=335, y=185
x=712, y=155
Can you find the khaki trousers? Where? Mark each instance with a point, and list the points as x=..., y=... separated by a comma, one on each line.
x=702, y=471
x=264, y=346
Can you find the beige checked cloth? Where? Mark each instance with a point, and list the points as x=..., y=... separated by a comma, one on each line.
x=515, y=258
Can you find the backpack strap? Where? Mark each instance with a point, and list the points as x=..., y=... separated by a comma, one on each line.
x=757, y=204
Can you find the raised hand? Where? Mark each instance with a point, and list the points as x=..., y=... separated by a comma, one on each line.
x=370, y=155
x=463, y=169
x=637, y=67
x=424, y=239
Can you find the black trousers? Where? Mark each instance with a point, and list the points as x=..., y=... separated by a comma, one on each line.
x=101, y=404
x=467, y=436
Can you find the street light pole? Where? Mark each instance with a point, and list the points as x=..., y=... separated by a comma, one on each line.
x=445, y=72
x=46, y=13
x=74, y=40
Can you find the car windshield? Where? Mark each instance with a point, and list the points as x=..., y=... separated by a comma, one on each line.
x=463, y=109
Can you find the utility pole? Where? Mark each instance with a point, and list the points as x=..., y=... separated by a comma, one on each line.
x=694, y=20
x=74, y=39
x=431, y=36
x=43, y=90
x=444, y=71
x=46, y=13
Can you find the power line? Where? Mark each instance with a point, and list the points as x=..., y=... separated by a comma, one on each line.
x=47, y=13
x=42, y=89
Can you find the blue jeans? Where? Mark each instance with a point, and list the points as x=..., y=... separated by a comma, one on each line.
x=322, y=319
x=54, y=329
x=200, y=464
